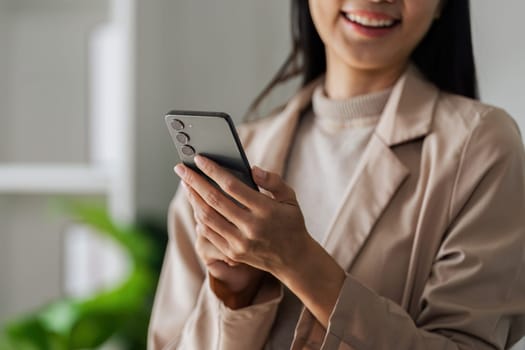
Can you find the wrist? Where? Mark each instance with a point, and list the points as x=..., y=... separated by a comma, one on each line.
x=316, y=281
x=289, y=272
x=235, y=299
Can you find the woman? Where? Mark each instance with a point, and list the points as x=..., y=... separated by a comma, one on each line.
x=391, y=211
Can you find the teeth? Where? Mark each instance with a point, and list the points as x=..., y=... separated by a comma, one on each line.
x=369, y=22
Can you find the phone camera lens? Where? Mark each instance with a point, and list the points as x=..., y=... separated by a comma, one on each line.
x=188, y=151
x=182, y=138
x=177, y=124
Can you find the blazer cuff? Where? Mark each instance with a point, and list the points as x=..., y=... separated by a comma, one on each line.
x=354, y=316
x=253, y=322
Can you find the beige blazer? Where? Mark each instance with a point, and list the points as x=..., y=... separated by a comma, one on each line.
x=431, y=233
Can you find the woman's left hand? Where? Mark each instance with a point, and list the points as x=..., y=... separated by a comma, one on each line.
x=268, y=233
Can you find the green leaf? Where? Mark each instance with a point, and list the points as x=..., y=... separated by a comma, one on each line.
x=121, y=313
x=30, y=334
x=60, y=317
x=137, y=243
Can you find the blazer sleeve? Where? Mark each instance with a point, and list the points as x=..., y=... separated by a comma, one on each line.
x=186, y=313
x=474, y=297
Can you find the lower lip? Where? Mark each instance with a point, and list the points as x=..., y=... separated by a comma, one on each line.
x=369, y=31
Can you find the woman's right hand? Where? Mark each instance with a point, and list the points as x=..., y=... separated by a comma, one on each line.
x=235, y=277
x=234, y=283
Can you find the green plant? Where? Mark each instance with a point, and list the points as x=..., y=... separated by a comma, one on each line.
x=120, y=314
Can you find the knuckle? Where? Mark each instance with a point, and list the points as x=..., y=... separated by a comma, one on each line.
x=256, y=232
x=253, y=229
x=246, y=247
x=189, y=177
x=230, y=185
x=212, y=198
x=196, y=216
x=206, y=214
x=200, y=230
x=266, y=212
x=231, y=253
x=237, y=251
x=236, y=255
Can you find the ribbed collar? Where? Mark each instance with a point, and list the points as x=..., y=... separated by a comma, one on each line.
x=349, y=111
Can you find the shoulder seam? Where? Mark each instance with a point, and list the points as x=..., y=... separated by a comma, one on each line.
x=462, y=160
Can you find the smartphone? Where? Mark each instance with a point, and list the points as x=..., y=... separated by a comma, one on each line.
x=212, y=135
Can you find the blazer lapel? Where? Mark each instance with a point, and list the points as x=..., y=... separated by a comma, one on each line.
x=378, y=176
x=380, y=173
x=276, y=137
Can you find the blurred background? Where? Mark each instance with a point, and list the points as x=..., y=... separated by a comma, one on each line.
x=84, y=86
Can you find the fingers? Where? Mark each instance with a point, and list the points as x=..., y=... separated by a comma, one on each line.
x=207, y=251
x=212, y=221
x=274, y=184
x=212, y=196
x=229, y=183
x=218, y=265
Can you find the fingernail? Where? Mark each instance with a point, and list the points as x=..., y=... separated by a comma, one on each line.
x=179, y=169
x=258, y=172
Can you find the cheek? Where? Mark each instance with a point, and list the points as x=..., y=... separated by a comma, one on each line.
x=324, y=15
x=418, y=18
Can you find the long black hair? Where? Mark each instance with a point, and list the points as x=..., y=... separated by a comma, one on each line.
x=445, y=55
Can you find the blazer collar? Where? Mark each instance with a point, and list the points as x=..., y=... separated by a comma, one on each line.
x=406, y=116
x=276, y=133
x=408, y=112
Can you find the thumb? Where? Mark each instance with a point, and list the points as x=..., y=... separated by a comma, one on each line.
x=274, y=184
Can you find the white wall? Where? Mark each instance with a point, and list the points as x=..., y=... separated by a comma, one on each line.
x=47, y=70
x=500, y=54
x=43, y=109
x=3, y=204
x=3, y=76
x=32, y=240
x=202, y=55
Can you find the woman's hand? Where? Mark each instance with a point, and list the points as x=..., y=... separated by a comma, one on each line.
x=268, y=232
x=234, y=283
x=235, y=277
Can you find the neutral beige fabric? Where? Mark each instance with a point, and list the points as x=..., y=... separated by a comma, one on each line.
x=326, y=149
x=431, y=233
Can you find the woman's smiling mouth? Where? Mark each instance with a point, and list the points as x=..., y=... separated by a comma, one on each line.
x=369, y=23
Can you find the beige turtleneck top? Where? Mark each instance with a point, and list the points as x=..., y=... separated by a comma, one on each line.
x=332, y=135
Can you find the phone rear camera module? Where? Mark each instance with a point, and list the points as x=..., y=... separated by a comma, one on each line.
x=188, y=151
x=177, y=124
x=183, y=138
